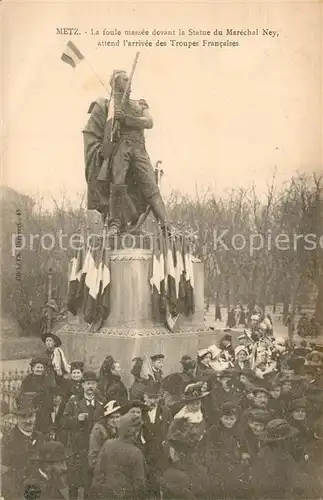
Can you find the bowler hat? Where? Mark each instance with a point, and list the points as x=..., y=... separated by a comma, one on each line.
x=110, y=408
x=25, y=404
x=278, y=430
x=51, y=452
x=77, y=365
x=87, y=376
x=57, y=340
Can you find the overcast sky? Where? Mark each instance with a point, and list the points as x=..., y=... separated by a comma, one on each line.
x=222, y=117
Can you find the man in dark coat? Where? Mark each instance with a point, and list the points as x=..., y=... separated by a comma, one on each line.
x=79, y=417
x=20, y=446
x=119, y=173
x=48, y=479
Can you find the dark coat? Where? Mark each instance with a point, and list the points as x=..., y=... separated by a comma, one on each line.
x=138, y=388
x=79, y=432
x=48, y=488
x=223, y=458
x=111, y=388
x=44, y=387
x=19, y=453
x=119, y=472
x=100, y=433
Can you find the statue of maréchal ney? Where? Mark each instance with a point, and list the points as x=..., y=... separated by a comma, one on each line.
x=121, y=180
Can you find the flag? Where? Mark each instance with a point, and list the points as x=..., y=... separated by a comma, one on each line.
x=171, y=276
x=72, y=55
x=74, y=299
x=189, y=279
x=97, y=282
x=157, y=275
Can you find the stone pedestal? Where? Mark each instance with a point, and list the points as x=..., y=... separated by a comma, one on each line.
x=131, y=329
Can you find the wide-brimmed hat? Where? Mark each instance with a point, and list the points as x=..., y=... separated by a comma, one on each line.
x=39, y=360
x=194, y=391
x=77, y=365
x=51, y=452
x=202, y=353
x=25, y=404
x=229, y=408
x=257, y=415
x=136, y=403
x=313, y=354
x=228, y=372
x=87, y=376
x=299, y=404
x=110, y=408
x=57, y=340
x=257, y=389
x=278, y=430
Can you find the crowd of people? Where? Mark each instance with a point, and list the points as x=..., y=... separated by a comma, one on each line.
x=241, y=419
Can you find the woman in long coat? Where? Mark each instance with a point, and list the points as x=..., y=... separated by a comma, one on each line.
x=43, y=386
x=110, y=384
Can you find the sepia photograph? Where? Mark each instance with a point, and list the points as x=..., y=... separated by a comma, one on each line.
x=161, y=250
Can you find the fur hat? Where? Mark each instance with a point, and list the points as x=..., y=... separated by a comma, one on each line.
x=77, y=365
x=39, y=360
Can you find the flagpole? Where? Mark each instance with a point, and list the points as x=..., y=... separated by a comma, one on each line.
x=96, y=75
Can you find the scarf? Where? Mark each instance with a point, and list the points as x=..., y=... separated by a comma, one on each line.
x=59, y=362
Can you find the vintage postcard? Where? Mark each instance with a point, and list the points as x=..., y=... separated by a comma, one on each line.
x=161, y=250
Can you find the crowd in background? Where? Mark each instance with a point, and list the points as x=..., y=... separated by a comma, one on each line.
x=241, y=419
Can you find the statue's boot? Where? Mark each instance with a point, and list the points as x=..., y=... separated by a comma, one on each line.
x=159, y=210
x=117, y=197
